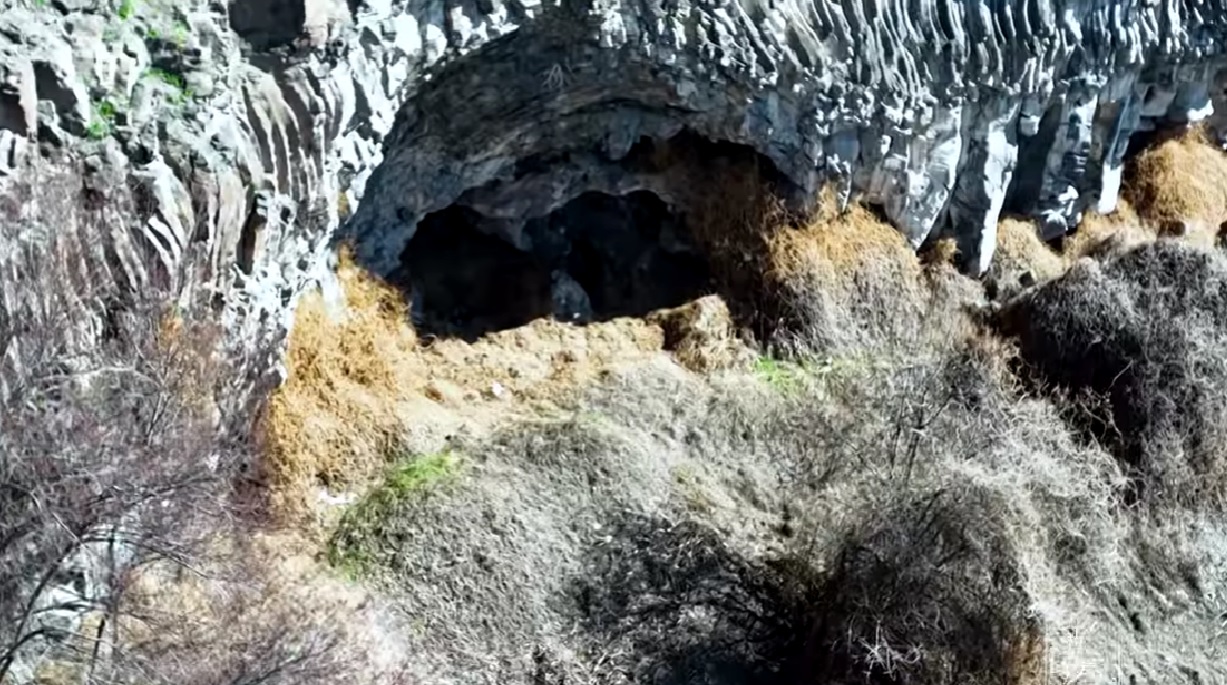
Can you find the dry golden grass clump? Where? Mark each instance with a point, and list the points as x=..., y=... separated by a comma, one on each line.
x=847, y=279
x=841, y=244
x=1019, y=250
x=702, y=335
x=944, y=251
x=337, y=413
x=1105, y=235
x=1179, y=179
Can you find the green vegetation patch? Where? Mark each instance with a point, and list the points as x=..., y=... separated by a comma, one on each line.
x=782, y=375
x=790, y=376
x=177, y=86
x=103, y=120
x=362, y=537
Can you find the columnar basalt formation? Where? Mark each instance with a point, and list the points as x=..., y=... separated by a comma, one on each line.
x=254, y=130
x=943, y=113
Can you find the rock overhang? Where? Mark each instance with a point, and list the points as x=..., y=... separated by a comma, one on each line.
x=942, y=113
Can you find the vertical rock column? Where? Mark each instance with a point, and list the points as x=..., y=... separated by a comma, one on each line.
x=991, y=128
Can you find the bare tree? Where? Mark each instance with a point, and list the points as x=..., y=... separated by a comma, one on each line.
x=122, y=433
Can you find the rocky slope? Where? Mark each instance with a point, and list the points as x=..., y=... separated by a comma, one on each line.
x=225, y=149
x=249, y=130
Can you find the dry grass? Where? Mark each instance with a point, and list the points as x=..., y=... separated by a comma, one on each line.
x=1019, y=250
x=944, y=251
x=840, y=245
x=917, y=519
x=790, y=275
x=1179, y=179
x=362, y=389
x=847, y=279
x=1100, y=236
x=917, y=522
x=336, y=416
x=702, y=335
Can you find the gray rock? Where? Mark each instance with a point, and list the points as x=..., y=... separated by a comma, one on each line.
x=570, y=301
x=943, y=113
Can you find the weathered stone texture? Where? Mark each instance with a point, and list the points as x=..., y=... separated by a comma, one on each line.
x=247, y=124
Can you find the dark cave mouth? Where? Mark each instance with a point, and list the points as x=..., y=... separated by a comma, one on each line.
x=598, y=257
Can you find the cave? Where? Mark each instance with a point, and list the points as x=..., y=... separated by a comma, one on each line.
x=598, y=257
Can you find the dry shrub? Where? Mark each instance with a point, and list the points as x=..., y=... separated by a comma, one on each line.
x=1140, y=340
x=929, y=590
x=1101, y=235
x=1181, y=178
x=1022, y=258
x=702, y=336
x=732, y=211
x=847, y=279
x=122, y=422
x=194, y=347
x=832, y=277
x=336, y=416
x=253, y=613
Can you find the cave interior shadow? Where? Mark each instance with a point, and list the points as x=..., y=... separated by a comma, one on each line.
x=598, y=258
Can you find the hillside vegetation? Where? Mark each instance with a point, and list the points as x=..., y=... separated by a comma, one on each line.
x=917, y=478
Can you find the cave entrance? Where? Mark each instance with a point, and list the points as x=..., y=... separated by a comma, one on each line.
x=598, y=257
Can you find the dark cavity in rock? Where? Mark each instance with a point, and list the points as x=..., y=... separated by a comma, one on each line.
x=597, y=257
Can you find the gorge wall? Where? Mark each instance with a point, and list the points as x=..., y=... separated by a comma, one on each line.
x=259, y=135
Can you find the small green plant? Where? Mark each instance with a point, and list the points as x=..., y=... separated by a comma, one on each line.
x=356, y=544
x=180, y=93
x=103, y=120
x=781, y=375
x=127, y=8
x=166, y=77
x=97, y=130
x=179, y=34
x=411, y=477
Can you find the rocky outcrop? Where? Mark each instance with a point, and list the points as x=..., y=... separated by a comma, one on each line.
x=249, y=132
x=228, y=135
x=940, y=112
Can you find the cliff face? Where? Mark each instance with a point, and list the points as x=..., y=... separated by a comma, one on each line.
x=247, y=130
x=941, y=112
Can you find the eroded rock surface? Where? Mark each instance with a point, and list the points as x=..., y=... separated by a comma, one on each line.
x=941, y=112
x=253, y=128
